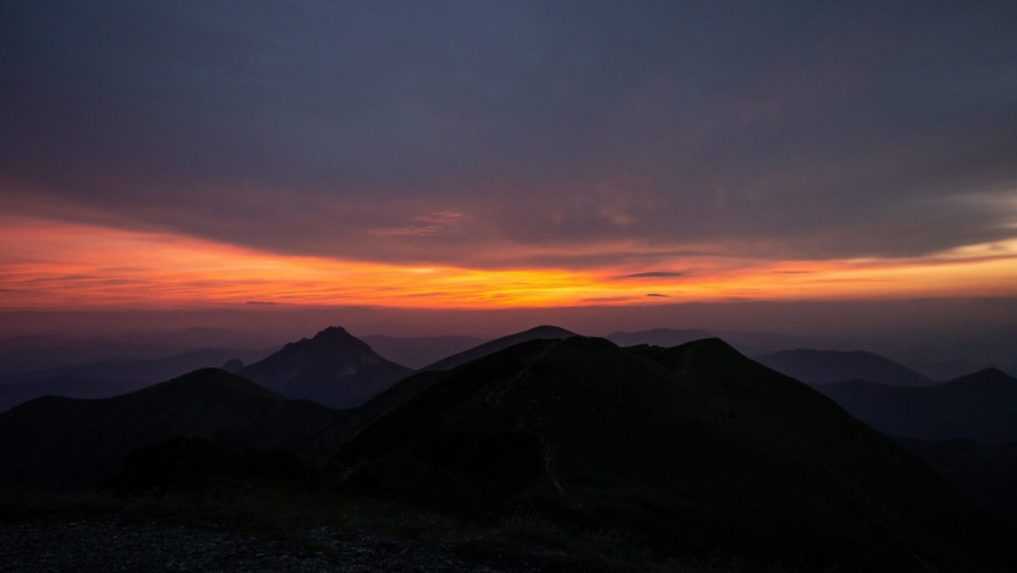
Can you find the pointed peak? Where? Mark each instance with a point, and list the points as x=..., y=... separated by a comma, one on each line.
x=332, y=332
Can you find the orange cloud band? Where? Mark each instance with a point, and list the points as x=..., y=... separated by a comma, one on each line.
x=59, y=265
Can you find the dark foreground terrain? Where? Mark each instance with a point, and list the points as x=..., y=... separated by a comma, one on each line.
x=274, y=531
x=562, y=453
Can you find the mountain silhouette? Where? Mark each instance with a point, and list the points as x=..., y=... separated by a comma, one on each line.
x=333, y=368
x=828, y=366
x=697, y=446
x=981, y=406
x=536, y=333
x=67, y=442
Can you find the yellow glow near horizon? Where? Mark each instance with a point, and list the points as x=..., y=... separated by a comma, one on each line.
x=56, y=265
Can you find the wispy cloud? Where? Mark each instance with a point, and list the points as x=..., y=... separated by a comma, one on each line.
x=427, y=225
x=655, y=275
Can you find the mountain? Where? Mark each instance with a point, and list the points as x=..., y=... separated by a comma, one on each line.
x=981, y=406
x=110, y=377
x=828, y=366
x=67, y=442
x=333, y=368
x=543, y=332
x=695, y=447
x=419, y=351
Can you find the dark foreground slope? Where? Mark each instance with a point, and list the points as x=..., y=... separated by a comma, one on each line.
x=820, y=367
x=333, y=368
x=981, y=406
x=696, y=447
x=66, y=442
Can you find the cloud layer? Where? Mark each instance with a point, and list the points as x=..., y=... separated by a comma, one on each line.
x=518, y=134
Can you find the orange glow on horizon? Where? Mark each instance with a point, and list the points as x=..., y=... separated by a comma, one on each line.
x=57, y=265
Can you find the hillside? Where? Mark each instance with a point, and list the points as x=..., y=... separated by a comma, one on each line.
x=68, y=442
x=696, y=447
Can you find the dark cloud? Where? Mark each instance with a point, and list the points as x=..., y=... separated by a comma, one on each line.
x=493, y=132
x=654, y=275
x=656, y=295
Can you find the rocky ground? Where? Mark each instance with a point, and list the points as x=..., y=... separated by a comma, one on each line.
x=108, y=545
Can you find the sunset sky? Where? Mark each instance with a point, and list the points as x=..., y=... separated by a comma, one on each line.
x=501, y=155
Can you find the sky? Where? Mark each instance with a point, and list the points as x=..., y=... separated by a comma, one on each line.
x=497, y=156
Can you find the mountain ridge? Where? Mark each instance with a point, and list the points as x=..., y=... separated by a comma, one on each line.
x=980, y=406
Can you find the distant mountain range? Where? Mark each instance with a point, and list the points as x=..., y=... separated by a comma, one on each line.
x=748, y=343
x=333, y=368
x=419, y=351
x=819, y=367
x=111, y=377
x=980, y=406
x=66, y=442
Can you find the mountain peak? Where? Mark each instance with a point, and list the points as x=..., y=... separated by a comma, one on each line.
x=333, y=332
x=334, y=368
x=328, y=340
x=337, y=334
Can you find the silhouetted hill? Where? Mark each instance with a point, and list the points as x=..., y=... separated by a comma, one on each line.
x=696, y=447
x=543, y=332
x=828, y=366
x=72, y=443
x=980, y=406
x=111, y=377
x=419, y=351
x=333, y=368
